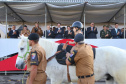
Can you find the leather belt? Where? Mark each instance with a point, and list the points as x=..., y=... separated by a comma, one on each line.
x=86, y=76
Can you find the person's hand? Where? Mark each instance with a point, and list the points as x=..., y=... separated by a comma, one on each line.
x=94, y=29
x=70, y=32
x=91, y=29
x=118, y=33
x=59, y=30
x=68, y=54
x=25, y=32
x=49, y=34
x=106, y=35
x=15, y=32
x=65, y=45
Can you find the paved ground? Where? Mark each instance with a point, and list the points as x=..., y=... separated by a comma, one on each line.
x=16, y=79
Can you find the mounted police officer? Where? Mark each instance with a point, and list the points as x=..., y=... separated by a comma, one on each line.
x=36, y=61
x=82, y=56
x=77, y=25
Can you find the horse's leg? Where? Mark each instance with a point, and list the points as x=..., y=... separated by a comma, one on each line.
x=68, y=83
x=53, y=81
x=110, y=80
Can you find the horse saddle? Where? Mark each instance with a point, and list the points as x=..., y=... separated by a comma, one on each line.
x=61, y=57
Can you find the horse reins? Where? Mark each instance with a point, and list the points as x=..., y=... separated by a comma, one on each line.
x=26, y=52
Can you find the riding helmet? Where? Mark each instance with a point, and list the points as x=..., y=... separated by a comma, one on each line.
x=77, y=24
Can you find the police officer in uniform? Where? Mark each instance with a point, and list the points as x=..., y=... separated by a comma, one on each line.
x=82, y=56
x=77, y=25
x=37, y=29
x=36, y=61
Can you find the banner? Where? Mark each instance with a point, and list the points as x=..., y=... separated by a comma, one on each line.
x=10, y=46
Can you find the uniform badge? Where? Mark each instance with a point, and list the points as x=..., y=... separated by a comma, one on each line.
x=33, y=55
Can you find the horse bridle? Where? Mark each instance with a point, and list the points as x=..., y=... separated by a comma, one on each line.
x=26, y=52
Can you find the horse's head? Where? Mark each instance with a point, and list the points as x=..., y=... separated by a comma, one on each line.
x=23, y=51
x=50, y=48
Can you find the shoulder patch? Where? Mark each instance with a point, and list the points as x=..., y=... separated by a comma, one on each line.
x=34, y=58
x=33, y=55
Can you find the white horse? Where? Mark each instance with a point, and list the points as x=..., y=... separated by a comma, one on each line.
x=110, y=62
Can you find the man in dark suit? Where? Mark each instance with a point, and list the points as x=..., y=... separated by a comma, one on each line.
x=92, y=31
x=59, y=31
x=49, y=33
x=14, y=33
x=69, y=34
x=122, y=33
x=116, y=32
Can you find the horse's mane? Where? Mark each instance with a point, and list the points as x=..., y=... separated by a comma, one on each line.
x=49, y=46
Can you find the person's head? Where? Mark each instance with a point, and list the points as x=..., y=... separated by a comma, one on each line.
x=48, y=27
x=33, y=39
x=107, y=27
x=9, y=29
x=51, y=29
x=77, y=25
x=104, y=27
x=25, y=27
x=122, y=30
x=71, y=28
x=68, y=28
x=79, y=39
x=13, y=27
x=54, y=28
x=37, y=24
x=58, y=25
x=92, y=24
x=116, y=25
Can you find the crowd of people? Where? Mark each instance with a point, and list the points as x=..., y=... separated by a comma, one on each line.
x=69, y=33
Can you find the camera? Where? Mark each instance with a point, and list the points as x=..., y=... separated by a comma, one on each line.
x=36, y=29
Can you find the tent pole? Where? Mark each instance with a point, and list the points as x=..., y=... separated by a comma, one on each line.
x=84, y=25
x=6, y=21
x=6, y=33
x=45, y=20
x=124, y=20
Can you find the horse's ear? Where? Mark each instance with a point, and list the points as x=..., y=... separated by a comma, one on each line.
x=21, y=36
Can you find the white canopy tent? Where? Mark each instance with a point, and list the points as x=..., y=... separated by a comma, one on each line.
x=65, y=13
